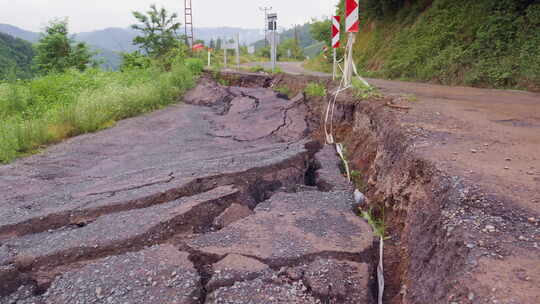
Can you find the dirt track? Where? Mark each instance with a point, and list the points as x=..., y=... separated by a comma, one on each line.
x=232, y=198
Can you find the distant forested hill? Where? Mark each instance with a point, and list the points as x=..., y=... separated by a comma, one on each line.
x=15, y=54
x=110, y=42
x=113, y=39
x=97, y=41
x=19, y=33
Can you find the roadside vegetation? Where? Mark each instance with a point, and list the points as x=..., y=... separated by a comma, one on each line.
x=73, y=96
x=361, y=91
x=375, y=218
x=484, y=43
x=286, y=91
x=315, y=90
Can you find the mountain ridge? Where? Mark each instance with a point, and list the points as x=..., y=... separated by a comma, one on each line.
x=112, y=41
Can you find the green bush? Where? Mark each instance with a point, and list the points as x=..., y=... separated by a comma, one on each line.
x=196, y=65
x=482, y=43
x=135, y=60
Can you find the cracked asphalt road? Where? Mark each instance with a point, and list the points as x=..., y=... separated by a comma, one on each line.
x=206, y=202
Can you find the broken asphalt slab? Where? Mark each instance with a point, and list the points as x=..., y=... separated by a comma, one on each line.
x=293, y=226
x=215, y=202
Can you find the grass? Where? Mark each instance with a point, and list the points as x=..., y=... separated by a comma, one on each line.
x=481, y=43
x=277, y=70
x=364, y=92
x=256, y=69
x=48, y=109
x=315, y=90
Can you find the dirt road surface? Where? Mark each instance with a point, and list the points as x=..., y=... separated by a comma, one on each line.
x=491, y=135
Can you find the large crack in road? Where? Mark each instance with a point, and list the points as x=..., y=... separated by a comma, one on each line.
x=223, y=200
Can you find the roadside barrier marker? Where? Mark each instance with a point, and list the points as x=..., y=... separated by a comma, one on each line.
x=335, y=41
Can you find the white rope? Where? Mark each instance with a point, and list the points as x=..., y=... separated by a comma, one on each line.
x=380, y=271
x=360, y=77
x=339, y=149
x=345, y=83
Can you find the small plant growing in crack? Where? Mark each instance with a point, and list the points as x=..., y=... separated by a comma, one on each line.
x=315, y=90
x=216, y=74
x=376, y=222
x=358, y=181
x=409, y=97
x=362, y=91
x=283, y=90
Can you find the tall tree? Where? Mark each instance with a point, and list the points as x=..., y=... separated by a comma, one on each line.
x=291, y=45
x=321, y=30
x=159, y=31
x=57, y=52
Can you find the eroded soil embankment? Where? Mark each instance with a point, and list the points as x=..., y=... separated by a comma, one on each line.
x=440, y=224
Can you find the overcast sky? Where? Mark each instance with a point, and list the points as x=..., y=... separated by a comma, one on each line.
x=88, y=15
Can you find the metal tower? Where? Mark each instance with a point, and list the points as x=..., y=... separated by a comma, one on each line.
x=189, y=23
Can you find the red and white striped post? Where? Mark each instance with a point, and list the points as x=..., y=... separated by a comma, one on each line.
x=352, y=27
x=351, y=11
x=335, y=41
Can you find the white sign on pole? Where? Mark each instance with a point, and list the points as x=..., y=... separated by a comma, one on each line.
x=251, y=50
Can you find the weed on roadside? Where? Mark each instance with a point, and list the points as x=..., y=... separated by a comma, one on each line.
x=360, y=90
x=277, y=70
x=409, y=97
x=358, y=181
x=283, y=90
x=315, y=90
x=256, y=69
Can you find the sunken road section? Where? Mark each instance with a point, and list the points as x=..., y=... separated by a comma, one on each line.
x=456, y=171
x=225, y=199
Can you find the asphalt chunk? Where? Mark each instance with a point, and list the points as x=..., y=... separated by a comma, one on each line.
x=121, y=231
x=291, y=226
x=159, y=274
x=235, y=268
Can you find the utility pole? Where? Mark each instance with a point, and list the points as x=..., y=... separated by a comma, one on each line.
x=265, y=9
x=272, y=27
x=189, y=23
x=296, y=42
x=296, y=34
x=238, y=51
